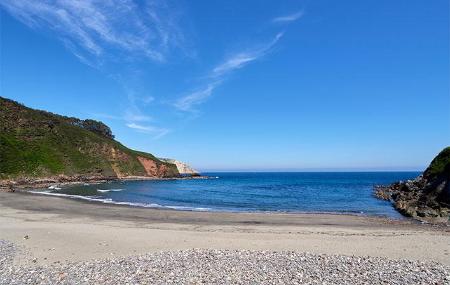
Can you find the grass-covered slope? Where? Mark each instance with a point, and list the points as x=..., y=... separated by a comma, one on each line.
x=36, y=144
x=439, y=166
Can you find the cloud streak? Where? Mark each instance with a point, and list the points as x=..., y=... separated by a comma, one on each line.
x=149, y=129
x=217, y=74
x=288, y=18
x=136, y=122
x=240, y=59
x=187, y=102
x=136, y=117
x=91, y=29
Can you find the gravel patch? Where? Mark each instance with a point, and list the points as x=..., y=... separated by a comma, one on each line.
x=199, y=266
x=7, y=253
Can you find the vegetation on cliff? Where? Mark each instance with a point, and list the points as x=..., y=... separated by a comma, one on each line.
x=439, y=165
x=36, y=144
x=427, y=197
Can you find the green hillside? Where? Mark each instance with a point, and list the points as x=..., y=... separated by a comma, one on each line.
x=440, y=165
x=36, y=143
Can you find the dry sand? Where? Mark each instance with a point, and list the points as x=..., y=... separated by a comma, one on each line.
x=61, y=229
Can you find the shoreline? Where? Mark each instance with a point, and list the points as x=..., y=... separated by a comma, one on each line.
x=10, y=185
x=64, y=230
x=30, y=195
x=61, y=181
x=101, y=201
x=41, y=184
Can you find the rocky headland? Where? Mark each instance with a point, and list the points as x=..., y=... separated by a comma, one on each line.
x=427, y=197
x=38, y=147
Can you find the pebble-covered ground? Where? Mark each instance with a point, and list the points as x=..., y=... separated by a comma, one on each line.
x=199, y=266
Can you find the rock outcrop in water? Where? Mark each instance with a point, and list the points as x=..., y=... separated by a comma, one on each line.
x=426, y=198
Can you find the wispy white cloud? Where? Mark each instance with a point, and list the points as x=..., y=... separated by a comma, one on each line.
x=129, y=116
x=240, y=59
x=91, y=28
x=136, y=117
x=187, y=102
x=147, y=99
x=217, y=74
x=137, y=122
x=149, y=129
x=288, y=18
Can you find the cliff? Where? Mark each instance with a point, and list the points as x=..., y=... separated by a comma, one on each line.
x=183, y=168
x=426, y=198
x=36, y=144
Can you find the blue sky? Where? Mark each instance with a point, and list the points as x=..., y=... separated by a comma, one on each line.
x=242, y=85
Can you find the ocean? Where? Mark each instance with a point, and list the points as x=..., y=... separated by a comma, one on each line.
x=310, y=192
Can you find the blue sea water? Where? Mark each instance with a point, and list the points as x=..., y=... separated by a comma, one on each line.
x=334, y=192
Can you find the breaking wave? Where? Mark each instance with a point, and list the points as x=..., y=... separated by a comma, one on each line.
x=110, y=201
x=109, y=190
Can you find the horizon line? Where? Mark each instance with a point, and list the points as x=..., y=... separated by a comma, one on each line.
x=310, y=170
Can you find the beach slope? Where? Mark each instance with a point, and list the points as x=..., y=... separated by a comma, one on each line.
x=46, y=240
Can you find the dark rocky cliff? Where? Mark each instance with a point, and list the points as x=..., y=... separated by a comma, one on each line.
x=426, y=198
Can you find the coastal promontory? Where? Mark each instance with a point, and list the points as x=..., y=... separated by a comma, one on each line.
x=41, y=146
x=427, y=197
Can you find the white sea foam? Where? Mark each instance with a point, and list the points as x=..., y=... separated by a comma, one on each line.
x=110, y=201
x=54, y=187
x=109, y=190
x=183, y=208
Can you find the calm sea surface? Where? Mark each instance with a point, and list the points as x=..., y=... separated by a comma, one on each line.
x=337, y=192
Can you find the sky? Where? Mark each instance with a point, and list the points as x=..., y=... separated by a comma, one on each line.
x=242, y=85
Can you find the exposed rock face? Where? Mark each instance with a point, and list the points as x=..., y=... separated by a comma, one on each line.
x=426, y=198
x=183, y=168
x=154, y=170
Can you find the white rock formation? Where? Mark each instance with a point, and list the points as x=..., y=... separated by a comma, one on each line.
x=182, y=167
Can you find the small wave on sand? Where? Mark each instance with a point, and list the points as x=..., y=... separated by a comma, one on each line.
x=54, y=187
x=132, y=204
x=109, y=190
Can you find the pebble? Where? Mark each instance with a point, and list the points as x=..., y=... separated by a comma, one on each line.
x=207, y=266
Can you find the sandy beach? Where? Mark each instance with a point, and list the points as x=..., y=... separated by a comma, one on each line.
x=61, y=229
x=55, y=240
